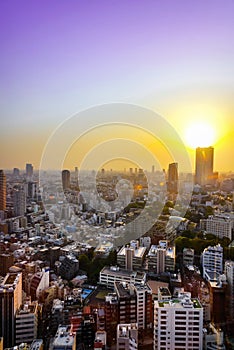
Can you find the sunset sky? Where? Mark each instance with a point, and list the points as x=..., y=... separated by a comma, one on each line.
x=60, y=57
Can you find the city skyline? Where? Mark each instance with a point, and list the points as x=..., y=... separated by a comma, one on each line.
x=59, y=59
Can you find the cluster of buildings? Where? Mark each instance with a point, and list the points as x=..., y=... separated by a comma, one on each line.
x=150, y=298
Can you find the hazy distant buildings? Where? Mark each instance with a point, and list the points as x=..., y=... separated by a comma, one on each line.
x=204, y=166
x=66, y=179
x=2, y=190
x=16, y=172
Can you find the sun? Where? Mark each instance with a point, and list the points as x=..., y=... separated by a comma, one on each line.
x=199, y=134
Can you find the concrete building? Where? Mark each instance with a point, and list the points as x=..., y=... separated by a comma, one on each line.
x=178, y=323
x=212, y=262
x=26, y=323
x=64, y=339
x=220, y=226
x=188, y=256
x=19, y=202
x=161, y=258
x=131, y=257
x=213, y=338
x=109, y=275
x=10, y=301
x=127, y=336
x=69, y=267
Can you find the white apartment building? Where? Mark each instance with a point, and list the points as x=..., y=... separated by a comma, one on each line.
x=127, y=336
x=212, y=261
x=178, y=323
x=109, y=275
x=219, y=225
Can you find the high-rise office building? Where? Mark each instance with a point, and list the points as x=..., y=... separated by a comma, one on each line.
x=10, y=301
x=178, y=323
x=19, y=202
x=172, y=183
x=2, y=190
x=204, y=166
x=66, y=179
x=29, y=170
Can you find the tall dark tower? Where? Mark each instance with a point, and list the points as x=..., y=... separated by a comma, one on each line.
x=172, y=184
x=204, y=166
x=29, y=170
x=66, y=179
x=10, y=301
x=2, y=190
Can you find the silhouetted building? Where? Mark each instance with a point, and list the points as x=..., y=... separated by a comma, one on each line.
x=10, y=301
x=29, y=170
x=204, y=166
x=2, y=190
x=172, y=183
x=66, y=179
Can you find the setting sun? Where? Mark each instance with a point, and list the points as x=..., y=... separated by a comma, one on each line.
x=199, y=134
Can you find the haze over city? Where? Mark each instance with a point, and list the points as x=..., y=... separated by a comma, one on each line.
x=59, y=58
x=116, y=175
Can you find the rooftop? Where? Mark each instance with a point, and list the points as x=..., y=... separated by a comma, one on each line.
x=138, y=252
x=64, y=337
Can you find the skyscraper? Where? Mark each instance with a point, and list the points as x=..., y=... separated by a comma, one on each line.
x=172, y=184
x=10, y=301
x=66, y=179
x=29, y=170
x=204, y=166
x=2, y=190
x=19, y=202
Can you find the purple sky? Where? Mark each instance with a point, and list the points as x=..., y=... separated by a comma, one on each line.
x=59, y=56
